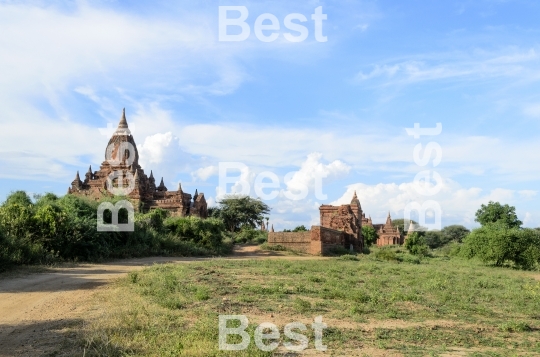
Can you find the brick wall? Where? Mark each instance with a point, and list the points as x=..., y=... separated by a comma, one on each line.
x=324, y=239
x=319, y=240
x=299, y=241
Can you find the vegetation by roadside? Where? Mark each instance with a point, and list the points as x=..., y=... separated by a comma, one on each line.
x=53, y=229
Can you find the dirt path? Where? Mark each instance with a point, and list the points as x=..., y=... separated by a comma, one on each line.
x=36, y=309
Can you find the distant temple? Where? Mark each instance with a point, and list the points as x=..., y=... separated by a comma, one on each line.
x=340, y=228
x=387, y=233
x=143, y=192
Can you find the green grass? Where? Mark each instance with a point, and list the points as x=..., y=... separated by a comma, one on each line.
x=418, y=308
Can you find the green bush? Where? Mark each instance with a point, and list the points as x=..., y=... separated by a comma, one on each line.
x=416, y=244
x=386, y=253
x=348, y=257
x=497, y=243
x=338, y=250
x=250, y=235
x=412, y=259
x=55, y=229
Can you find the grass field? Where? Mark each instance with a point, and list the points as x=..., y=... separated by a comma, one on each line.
x=440, y=307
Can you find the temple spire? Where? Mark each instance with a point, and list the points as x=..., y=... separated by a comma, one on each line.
x=77, y=177
x=179, y=187
x=123, y=122
x=271, y=230
x=151, y=175
x=389, y=219
x=90, y=169
x=196, y=193
x=355, y=200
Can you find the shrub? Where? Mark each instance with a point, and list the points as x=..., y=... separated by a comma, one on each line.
x=370, y=235
x=386, y=254
x=497, y=244
x=250, y=235
x=433, y=239
x=454, y=233
x=55, y=229
x=416, y=244
x=411, y=259
x=338, y=250
x=205, y=232
x=348, y=257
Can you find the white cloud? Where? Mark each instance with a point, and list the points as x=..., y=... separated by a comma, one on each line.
x=153, y=148
x=385, y=151
x=313, y=169
x=204, y=173
x=458, y=204
x=475, y=66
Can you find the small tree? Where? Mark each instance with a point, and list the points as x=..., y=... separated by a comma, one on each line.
x=301, y=228
x=495, y=212
x=416, y=244
x=239, y=211
x=370, y=235
x=454, y=233
x=433, y=239
x=496, y=243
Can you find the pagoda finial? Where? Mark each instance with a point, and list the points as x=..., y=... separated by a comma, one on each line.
x=355, y=200
x=77, y=177
x=271, y=230
x=196, y=193
x=123, y=122
x=90, y=169
x=389, y=219
x=179, y=187
x=151, y=174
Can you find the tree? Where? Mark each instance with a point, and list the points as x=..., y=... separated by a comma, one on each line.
x=241, y=211
x=433, y=239
x=370, y=235
x=301, y=228
x=495, y=212
x=454, y=233
x=19, y=197
x=497, y=243
x=416, y=244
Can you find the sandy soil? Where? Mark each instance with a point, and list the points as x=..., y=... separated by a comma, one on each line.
x=37, y=309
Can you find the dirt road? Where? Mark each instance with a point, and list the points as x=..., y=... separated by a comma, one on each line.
x=37, y=309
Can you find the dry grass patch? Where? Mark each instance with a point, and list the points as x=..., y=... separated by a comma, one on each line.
x=371, y=308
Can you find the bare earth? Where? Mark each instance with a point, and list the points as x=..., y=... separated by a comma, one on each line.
x=37, y=309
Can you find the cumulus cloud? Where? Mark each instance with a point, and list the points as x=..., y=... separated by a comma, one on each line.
x=204, y=173
x=153, y=148
x=458, y=204
x=313, y=171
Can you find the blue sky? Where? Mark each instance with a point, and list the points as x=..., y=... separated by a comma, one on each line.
x=338, y=107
